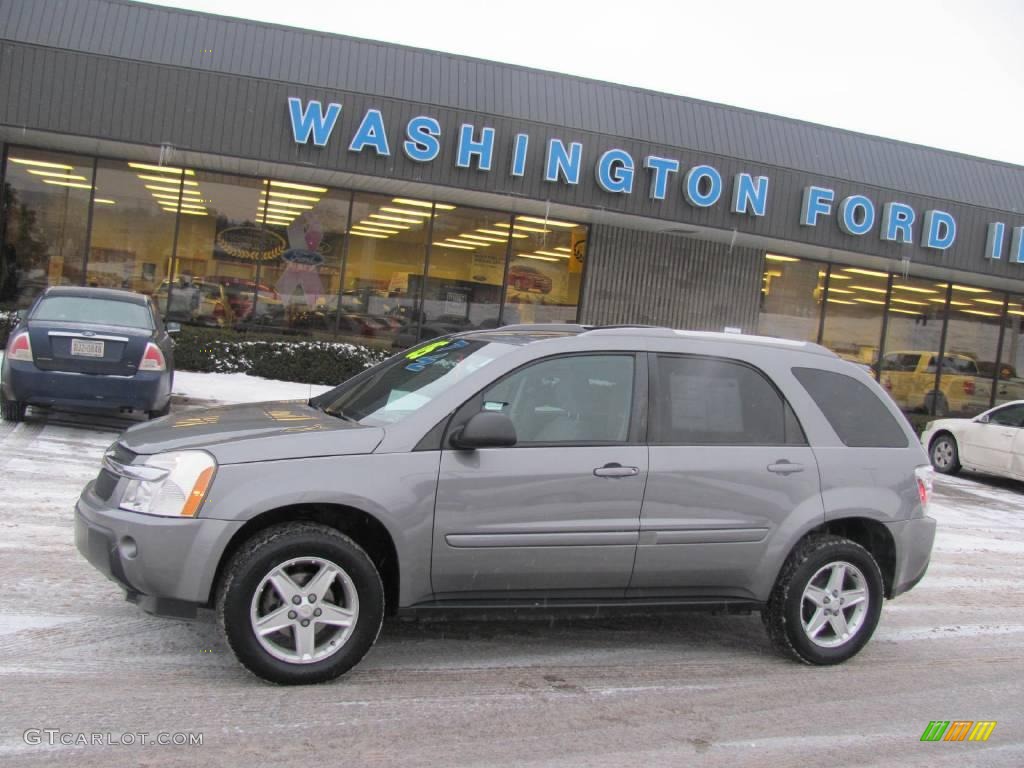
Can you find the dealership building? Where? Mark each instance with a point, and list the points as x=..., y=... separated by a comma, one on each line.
x=271, y=179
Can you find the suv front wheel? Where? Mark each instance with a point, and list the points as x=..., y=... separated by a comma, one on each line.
x=826, y=601
x=300, y=603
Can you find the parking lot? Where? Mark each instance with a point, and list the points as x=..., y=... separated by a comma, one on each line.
x=657, y=690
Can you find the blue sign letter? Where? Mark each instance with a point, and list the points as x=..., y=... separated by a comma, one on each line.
x=817, y=201
x=1017, y=246
x=898, y=223
x=748, y=193
x=994, y=244
x=371, y=133
x=615, y=171
x=519, y=154
x=694, y=182
x=939, y=230
x=468, y=147
x=852, y=222
x=662, y=167
x=422, y=145
x=566, y=163
x=312, y=120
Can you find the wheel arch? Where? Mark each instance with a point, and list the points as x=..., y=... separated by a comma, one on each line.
x=874, y=536
x=362, y=527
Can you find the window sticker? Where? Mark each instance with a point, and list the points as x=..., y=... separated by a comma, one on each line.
x=494, y=405
x=427, y=349
x=422, y=362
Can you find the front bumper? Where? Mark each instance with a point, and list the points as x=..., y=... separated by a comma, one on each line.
x=145, y=391
x=914, y=539
x=165, y=564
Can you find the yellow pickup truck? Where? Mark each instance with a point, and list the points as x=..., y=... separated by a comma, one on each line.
x=909, y=377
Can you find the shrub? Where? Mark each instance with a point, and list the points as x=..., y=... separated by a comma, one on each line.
x=6, y=325
x=271, y=356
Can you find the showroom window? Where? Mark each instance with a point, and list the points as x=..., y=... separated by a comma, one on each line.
x=791, y=295
x=466, y=271
x=544, y=271
x=854, y=308
x=913, y=336
x=387, y=250
x=1009, y=383
x=972, y=342
x=299, y=287
x=133, y=223
x=46, y=205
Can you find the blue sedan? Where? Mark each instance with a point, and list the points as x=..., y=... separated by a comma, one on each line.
x=88, y=348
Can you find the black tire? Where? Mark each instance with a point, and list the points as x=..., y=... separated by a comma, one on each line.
x=786, y=610
x=259, y=557
x=944, y=454
x=12, y=410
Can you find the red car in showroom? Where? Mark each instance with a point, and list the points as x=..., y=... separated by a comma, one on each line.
x=524, y=278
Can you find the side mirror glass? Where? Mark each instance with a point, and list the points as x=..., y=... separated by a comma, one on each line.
x=486, y=429
x=173, y=327
x=984, y=419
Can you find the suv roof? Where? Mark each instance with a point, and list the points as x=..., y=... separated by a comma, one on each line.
x=544, y=330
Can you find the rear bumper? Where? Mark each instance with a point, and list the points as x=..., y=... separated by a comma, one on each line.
x=914, y=539
x=167, y=565
x=145, y=391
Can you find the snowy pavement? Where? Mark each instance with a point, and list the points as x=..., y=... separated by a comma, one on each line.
x=688, y=689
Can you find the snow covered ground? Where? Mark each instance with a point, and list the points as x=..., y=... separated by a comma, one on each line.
x=687, y=689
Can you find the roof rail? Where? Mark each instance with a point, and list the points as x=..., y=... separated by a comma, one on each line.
x=567, y=327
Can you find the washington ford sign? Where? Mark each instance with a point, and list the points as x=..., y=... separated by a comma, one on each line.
x=617, y=172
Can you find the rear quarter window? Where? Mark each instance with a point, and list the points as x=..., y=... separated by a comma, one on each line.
x=855, y=412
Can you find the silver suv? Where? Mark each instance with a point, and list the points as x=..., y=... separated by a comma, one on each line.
x=525, y=467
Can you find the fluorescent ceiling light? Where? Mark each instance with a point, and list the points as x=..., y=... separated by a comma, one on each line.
x=546, y=222
x=482, y=238
x=195, y=213
x=912, y=288
x=374, y=228
x=172, y=190
x=868, y=272
x=776, y=257
x=404, y=211
x=457, y=247
x=908, y=301
x=75, y=184
x=281, y=211
x=905, y=311
x=57, y=175
x=953, y=303
x=104, y=200
x=497, y=233
x=979, y=312
x=399, y=219
x=283, y=204
x=968, y=289
x=996, y=302
x=832, y=290
x=422, y=203
x=553, y=253
x=290, y=196
x=836, y=276
x=531, y=256
x=564, y=249
x=457, y=241
x=869, y=301
x=369, y=234
x=304, y=187
x=841, y=301
x=166, y=180
x=1016, y=312
x=162, y=169
x=161, y=196
x=868, y=288
x=40, y=163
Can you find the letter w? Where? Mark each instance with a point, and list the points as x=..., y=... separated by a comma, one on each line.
x=312, y=120
x=934, y=730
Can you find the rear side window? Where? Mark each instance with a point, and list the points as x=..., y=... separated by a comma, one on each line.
x=705, y=401
x=83, y=309
x=856, y=414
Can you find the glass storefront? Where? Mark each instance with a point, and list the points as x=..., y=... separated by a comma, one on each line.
x=854, y=308
x=46, y=204
x=256, y=254
x=791, y=295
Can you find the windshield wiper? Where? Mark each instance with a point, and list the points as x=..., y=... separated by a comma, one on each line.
x=339, y=414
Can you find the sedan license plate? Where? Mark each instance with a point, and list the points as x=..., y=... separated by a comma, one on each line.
x=86, y=348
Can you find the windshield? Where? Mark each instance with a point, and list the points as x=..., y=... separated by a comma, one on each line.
x=402, y=386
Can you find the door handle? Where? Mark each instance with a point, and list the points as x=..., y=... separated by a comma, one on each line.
x=785, y=467
x=615, y=470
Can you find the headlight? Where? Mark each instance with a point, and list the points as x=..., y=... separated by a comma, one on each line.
x=170, y=484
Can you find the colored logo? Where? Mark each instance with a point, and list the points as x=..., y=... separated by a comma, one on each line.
x=958, y=730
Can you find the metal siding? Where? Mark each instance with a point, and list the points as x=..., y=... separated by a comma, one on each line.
x=643, y=277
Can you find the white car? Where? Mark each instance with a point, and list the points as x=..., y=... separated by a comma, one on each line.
x=992, y=442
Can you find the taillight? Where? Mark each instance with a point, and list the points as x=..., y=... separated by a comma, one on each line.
x=968, y=386
x=153, y=360
x=924, y=485
x=21, y=348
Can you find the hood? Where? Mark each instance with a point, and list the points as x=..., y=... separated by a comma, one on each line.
x=268, y=431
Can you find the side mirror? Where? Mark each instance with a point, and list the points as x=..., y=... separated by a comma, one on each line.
x=173, y=327
x=486, y=429
x=984, y=419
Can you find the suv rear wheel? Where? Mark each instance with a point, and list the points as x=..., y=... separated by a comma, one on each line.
x=826, y=601
x=300, y=603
